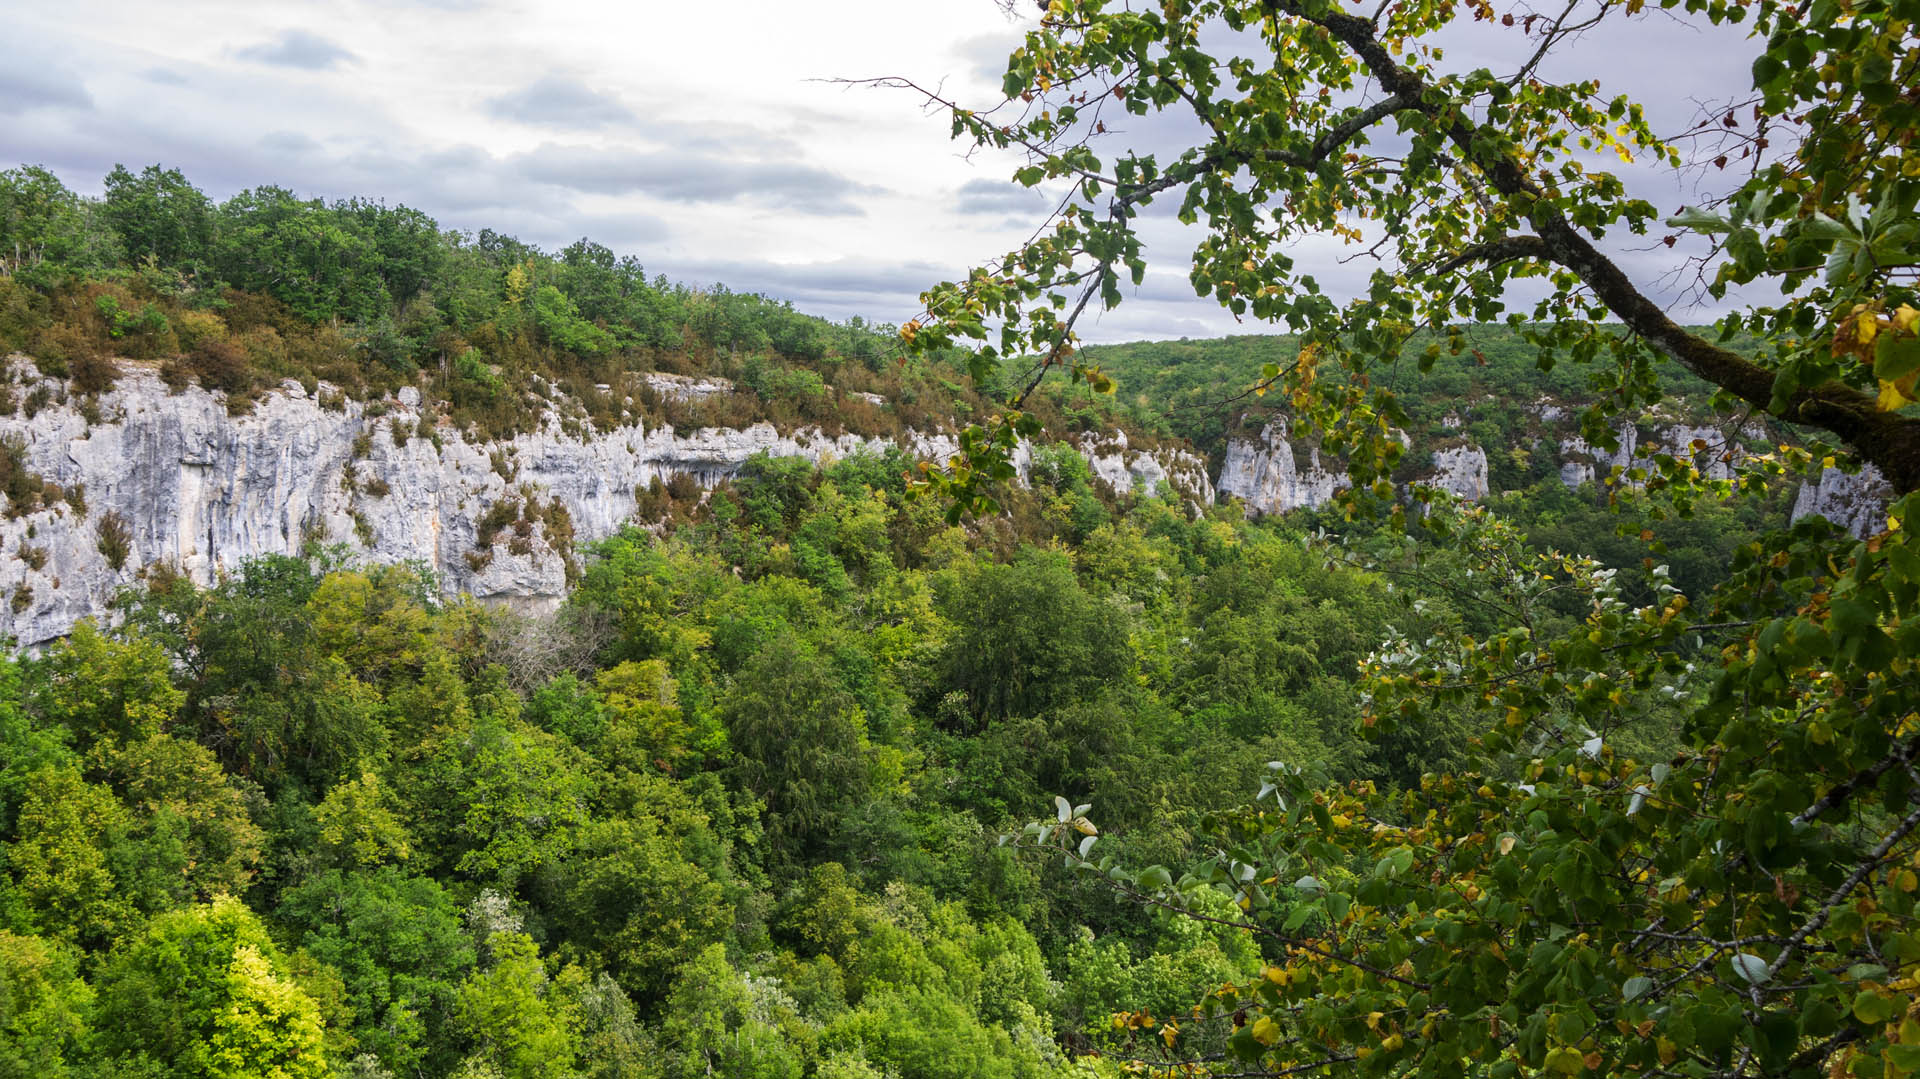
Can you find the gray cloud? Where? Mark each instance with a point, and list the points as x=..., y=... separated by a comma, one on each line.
x=563, y=103
x=984, y=196
x=879, y=291
x=694, y=178
x=288, y=143
x=26, y=87
x=298, y=49
x=164, y=76
x=986, y=54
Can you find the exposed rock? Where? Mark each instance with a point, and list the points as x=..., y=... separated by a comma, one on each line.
x=1268, y=476
x=1460, y=471
x=1856, y=502
x=687, y=388
x=1126, y=470
x=204, y=491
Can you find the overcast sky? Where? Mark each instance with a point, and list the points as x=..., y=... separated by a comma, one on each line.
x=703, y=139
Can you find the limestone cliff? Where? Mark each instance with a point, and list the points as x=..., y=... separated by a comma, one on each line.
x=1272, y=475
x=190, y=486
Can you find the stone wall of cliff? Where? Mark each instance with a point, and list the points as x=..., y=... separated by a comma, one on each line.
x=203, y=491
x=1271, y=473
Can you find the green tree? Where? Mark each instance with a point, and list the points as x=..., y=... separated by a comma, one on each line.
x=43, y=1009
x=204, y=991
x=509, y=1011
x=646, y=890
x=716, y=1024
x=158, y=214
x=300, y=252
x=61, y=861
x=1028, y=637
x=101, y=687
x=190, y=818
x=43, y=223
x=397, y=944
x=799, y=742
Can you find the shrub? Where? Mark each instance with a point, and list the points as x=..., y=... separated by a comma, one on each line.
x=221, y=365
x=114, y=537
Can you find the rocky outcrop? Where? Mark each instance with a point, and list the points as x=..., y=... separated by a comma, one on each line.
x=1855, y=501
x=1272, y=475
x=1461, y=471
x=192, y=487
x=1127, y=470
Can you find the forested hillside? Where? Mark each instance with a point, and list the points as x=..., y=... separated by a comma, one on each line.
x=241, y=295
x=1488, y=377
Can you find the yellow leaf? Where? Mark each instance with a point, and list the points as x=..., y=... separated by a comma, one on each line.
x=1266, y=1031
x=1506, y=844
x=1891, y=397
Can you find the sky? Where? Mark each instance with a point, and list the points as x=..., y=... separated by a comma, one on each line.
x=713, y=143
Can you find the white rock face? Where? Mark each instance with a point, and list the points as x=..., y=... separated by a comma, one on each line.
x=1857, y=503
x=1460, y=471
x=204, y=491
x=1127, y=470
x=1268, y=476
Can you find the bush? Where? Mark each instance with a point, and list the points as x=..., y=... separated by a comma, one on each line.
x=221, y=365
x=114, y=537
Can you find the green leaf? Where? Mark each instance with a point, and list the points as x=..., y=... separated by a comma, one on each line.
x=1695, y=219
x=1822, y=227
x=1752, y=968
x=1636, y=987
x=1895, y=357
x=1871, y=1007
